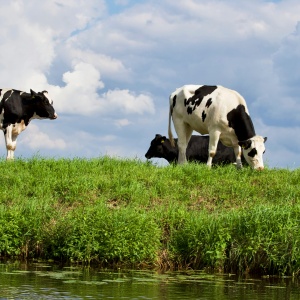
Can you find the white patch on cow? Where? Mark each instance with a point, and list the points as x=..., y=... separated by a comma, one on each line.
x=1, y=117
x=4, y=91
x=18, y=128
x=10, y=141
x=48, y=97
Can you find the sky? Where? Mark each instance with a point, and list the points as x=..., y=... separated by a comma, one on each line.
x=110, y=66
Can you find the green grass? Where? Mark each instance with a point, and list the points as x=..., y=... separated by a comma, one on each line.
x=127, y=212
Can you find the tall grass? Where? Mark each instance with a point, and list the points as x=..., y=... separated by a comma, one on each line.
x=127, y=212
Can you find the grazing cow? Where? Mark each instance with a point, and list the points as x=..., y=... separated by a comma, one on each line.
x=17, y=109
x=220, y=112
x=196, y=151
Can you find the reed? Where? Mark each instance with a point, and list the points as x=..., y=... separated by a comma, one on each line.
x=115, y=211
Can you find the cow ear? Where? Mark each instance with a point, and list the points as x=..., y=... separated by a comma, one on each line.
x=245, y=144
x=163, y=139
x=265, y=139
x=33, y=93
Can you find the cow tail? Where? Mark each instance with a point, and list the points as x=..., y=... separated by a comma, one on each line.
x=170, y=129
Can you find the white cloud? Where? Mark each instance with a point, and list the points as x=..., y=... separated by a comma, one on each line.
x=128, y=102
x=122, y=122
x=80, y=95
x=36, y=139
x=64, y=16
x=110, y=67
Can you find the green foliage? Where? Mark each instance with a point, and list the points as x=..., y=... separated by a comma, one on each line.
x=121, y=236
x=260, y=239
x=119, y=211
x=266, y=238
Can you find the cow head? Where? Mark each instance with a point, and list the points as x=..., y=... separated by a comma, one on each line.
x=156, y=147
x=253, y=150
x=43, y=105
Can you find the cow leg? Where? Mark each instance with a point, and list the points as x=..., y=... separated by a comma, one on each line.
x=212, y=146
x=184, y=134
x=10, y=141
x=238, y=155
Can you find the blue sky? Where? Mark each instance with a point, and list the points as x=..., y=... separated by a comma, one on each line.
x=111, y=65
x=118, y=6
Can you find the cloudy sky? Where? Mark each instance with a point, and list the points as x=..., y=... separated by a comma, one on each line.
x=110, y=65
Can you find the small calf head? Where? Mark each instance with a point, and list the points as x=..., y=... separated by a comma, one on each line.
x=43, y=105
x=253, y=150
x=156, y=147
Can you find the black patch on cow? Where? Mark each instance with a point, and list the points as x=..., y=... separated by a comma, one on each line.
x=241, y=122
x=189, y=110
x=253, y=152
x=203, y=116
x=174, y=100
x=245, y=144
x=208, y=103
x=194, y=101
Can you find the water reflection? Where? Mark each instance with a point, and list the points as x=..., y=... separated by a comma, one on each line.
x=40, y=281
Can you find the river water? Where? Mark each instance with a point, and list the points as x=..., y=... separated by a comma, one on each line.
x=43, y=281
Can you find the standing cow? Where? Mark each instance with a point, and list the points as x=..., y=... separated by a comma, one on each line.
x=17, y=109
x=220, y=112
x=196, y=151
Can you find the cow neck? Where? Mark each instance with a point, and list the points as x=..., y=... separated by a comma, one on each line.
x=245, y=132
x=28, y=107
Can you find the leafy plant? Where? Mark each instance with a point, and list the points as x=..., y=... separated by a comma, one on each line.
x=121, y=211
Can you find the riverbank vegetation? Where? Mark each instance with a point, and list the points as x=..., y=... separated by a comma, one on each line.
x=121, y=212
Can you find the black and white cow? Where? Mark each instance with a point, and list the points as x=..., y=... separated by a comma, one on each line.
x=220, y=112
x=17, y=109
x=196, y=151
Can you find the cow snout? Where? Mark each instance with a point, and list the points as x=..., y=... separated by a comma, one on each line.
x=55, y=116
x=260, y=168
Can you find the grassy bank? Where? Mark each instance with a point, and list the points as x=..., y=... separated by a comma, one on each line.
x=114, y=211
